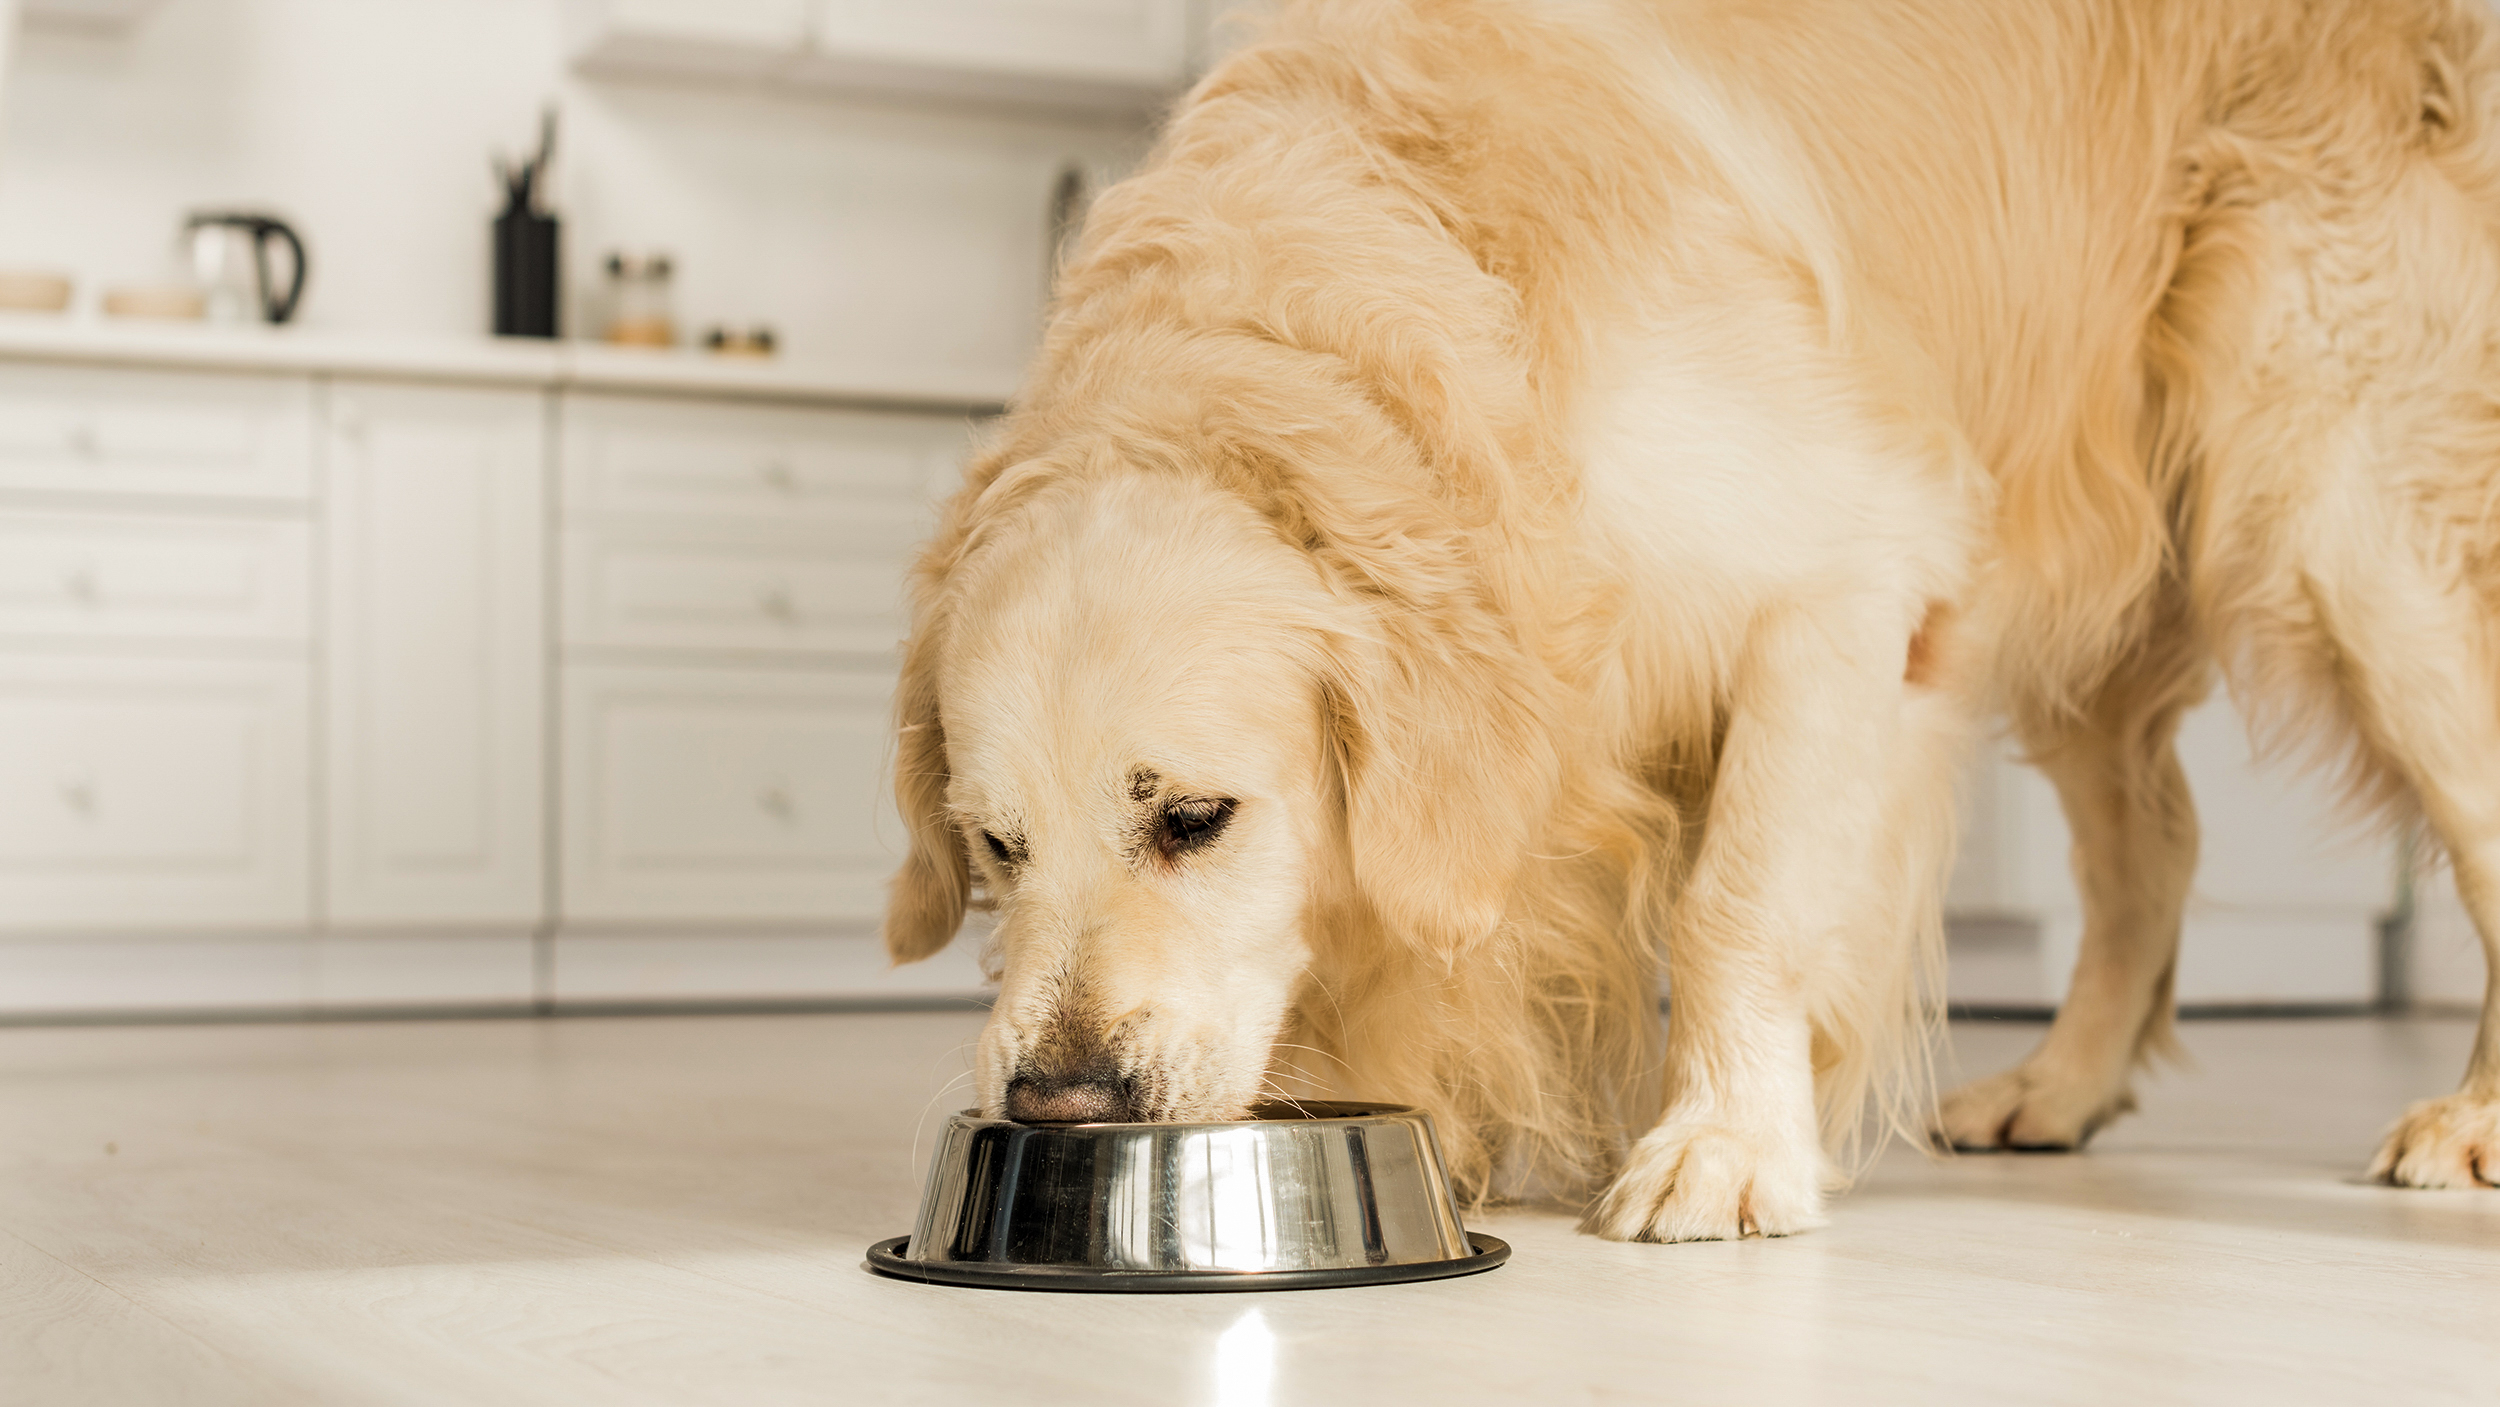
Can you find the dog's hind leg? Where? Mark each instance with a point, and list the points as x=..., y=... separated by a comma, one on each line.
x=2345, y=552
x=2415, y=659
x=2126, y=800
x=2378, y=616
x=2437, y=718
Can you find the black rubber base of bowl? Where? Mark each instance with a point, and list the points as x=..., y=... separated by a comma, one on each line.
x=886, y=1258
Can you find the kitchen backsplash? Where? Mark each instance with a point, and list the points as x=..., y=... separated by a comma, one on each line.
x=915, y=231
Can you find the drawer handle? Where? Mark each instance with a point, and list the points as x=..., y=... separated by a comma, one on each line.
x=776, y=803
x=776, y=602
x=780, y=476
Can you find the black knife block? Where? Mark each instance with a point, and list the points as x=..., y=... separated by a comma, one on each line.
x=525, y=274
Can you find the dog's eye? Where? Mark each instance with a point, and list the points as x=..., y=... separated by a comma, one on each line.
x=1191, y=825
x=998, y=849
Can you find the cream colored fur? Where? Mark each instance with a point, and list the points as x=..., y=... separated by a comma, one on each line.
x=1571, y=476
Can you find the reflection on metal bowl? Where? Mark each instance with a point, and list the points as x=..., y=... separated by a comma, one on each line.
x=1301, y=1195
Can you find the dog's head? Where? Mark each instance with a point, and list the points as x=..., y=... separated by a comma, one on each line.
x=1185, y=749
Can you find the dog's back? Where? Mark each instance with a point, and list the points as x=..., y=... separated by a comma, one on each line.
x=2016, y=214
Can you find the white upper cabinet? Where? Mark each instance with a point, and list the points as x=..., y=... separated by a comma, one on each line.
x=1107, y=54
x=436, y=665
x=89, y=16
x=1117, y=56
x=724, y=38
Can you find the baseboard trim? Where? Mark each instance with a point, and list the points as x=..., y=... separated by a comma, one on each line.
x=2193, y=1011
x=313, y=975
x=1997, y=1011
x=842, y=1006
x=242, y=1016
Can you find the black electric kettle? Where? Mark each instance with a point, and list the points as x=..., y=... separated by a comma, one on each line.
x=230, y=257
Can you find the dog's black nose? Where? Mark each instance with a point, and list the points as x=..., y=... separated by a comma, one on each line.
x=1093, y=1099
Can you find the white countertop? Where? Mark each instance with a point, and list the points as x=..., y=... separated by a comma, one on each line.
x=512, y=360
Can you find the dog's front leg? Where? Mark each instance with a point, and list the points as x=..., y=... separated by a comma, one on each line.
x=1794, y=809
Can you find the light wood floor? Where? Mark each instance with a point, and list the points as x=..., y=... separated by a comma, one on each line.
x=673, y=1210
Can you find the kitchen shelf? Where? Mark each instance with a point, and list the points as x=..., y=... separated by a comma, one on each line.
x=112, y=15
x=1120, y=58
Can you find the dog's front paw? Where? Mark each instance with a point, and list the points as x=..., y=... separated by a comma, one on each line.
x=1694, y=1181
x=2450, y=1142
x=2028, y=1109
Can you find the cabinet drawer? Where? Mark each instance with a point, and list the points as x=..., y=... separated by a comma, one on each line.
x=758, y=464
x=838, y=590
x=153, y=793
x=153, y=577
x=94, y=430
x=726, y=795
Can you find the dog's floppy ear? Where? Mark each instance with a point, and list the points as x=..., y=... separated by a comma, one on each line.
x=925, y=904
x=1450, y=770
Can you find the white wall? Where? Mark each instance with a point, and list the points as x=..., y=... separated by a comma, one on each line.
x=2286, y=908
x=914, y=233
x=2445, y=968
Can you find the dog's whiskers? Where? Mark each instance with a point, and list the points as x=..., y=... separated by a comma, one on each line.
x=922, y=1122
x=1330, y=1056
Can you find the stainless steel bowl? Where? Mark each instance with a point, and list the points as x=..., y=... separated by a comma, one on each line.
x=1300, y=1195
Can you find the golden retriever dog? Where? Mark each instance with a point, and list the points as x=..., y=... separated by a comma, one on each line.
x=1526, y=501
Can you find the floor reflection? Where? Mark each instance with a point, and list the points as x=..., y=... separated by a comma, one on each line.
x=1245, y=1362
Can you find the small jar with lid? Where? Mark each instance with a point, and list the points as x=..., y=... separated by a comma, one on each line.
x=642, y=304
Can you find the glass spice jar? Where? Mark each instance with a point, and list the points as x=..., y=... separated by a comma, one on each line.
x=642, y=309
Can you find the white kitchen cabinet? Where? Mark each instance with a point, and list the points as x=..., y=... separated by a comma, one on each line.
x=722, y=794
x=88, y=16
x=2286, y=907
x=437, y=656
x=759, y=466
x=97, y=430
x=489, y=681
x=1106, y=54
x=1099, y=56
x=152, y=792
x=733, y=602
x=836, y=591
x=153, y=577
x=155, y=691
x=696, y=38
